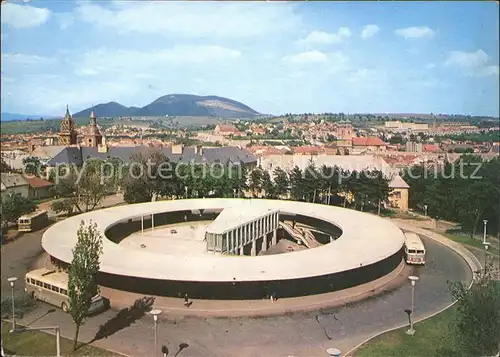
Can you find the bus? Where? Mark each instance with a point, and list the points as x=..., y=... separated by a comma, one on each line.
x=51, y=286
x=32, y=221
x=414, y=249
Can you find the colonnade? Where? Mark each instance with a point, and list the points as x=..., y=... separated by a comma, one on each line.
x=235, y=239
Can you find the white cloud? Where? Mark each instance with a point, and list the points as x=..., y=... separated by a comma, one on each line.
x=200, y=20
x=430, y=66
x=488, y=71
x=466, y=59
x=415, y=32
x=365, y=77
x=21, y=59
x=307, y=57
x=23, y=16
x=325, y=38
x=129, y=61
x=86, y=72
x=369, y=31
x=65, y=20
x=473, y=63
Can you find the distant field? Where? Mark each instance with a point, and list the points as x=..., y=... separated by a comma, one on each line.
x=39, y=126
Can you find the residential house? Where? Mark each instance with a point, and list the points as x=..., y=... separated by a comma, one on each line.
x=351, y=163
x=370, y=143
x=14, y=183
x=227, y=130
x=398, y=197
x=74, y=155
x=39, y=188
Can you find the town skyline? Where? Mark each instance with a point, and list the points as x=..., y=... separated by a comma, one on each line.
x=280, y=58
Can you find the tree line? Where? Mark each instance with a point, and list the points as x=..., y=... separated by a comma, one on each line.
x=466, y=192
x=364, y=190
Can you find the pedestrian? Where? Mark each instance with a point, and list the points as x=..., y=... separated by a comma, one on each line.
x=186, y=300
x=273, y=297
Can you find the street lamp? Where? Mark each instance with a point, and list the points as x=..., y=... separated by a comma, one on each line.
x=413, y=280
x=486, y=246
x=155, y=314
x=234, y=193
x=186, y=190
x=485, y=221
x=425, y=210
x=12, y=281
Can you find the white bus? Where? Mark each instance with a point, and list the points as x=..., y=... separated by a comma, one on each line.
x=414, y=249
x=51, y=286
x=32, y=221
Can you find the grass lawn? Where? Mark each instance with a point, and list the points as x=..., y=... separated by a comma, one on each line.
x=429, y=335
x=35, y=343
x=467, y=240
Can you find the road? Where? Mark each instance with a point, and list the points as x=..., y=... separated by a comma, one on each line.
x=301, y=334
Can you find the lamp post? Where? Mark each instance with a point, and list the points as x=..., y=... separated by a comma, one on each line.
x=155, y=314
x=12, y=281
x=485, y=221
x=234, y=193
x=425, y=210
x=186, y=190
x=413, y=280
x=486, y=246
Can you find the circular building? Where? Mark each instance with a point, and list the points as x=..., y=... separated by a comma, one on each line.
x=146, y=250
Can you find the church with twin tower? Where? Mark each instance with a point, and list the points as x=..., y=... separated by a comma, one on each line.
x=68, y=135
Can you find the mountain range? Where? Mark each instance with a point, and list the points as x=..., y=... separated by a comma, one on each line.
x=175, y=105
x=16, y=116
x=171, y=104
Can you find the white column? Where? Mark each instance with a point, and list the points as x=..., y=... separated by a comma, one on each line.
x=275, y=238
x=142, y=224
x=254, y=248
x=233, y=240
x=152, y=222
x=241, y=250
x=264, y=242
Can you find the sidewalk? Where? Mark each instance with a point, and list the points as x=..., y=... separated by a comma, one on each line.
x=258, y=308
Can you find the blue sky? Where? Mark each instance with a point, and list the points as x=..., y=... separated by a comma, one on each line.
x=423, y=57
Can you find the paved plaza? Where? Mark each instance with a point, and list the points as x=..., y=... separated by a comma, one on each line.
x=183, y=239
x=293, y=334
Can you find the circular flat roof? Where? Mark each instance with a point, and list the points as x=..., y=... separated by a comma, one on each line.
x=365, y=239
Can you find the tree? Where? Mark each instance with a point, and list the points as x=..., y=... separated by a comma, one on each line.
x=471, y=204
x=150, y=174
x=281, y=182
x=85, y=187
x=268, y=186
x=310, y=182
x=296, y=184
x=14, y=206
x=63, y=205
x=32, y=166
x=465, y=192
x=255, y=181
x=82, y=277
x=476, y=329
x=4, y=167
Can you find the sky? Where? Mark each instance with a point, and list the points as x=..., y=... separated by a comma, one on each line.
x=276, y=57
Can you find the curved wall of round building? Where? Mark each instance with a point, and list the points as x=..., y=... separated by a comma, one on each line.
x=253, y=289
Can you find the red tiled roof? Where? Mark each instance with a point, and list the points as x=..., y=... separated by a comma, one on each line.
x=307, y=149
x=369, y=141
x=227, y=128
x=37, y=182
x=430, y=148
